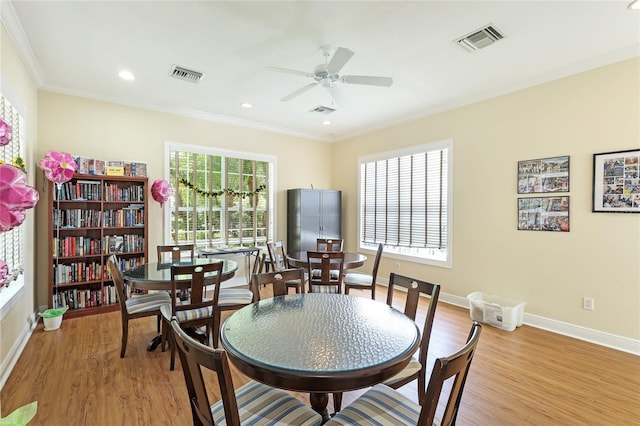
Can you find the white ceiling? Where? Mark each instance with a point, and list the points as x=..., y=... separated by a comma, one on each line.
x=78, y=48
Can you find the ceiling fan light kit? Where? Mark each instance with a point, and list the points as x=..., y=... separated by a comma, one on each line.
x=327, y=74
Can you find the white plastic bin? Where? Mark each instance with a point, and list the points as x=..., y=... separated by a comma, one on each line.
x=497, y=311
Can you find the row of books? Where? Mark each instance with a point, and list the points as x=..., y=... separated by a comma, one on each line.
x=76, y=272
x=76, y=246
x=116, y=192
x=78, y=190
x=76, y=218
x=123, y=243
x=92, y=166
x=128, y=216
x=85, y=298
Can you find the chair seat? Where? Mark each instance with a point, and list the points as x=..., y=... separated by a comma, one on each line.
x=379, y=405
x=234, y=296
x=147, y=302
x=189, y=315
x=261, y=404
x=325, y=289
x=410, y=370
x=356, y=279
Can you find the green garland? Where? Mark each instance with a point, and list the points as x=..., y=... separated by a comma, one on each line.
x=228, y=191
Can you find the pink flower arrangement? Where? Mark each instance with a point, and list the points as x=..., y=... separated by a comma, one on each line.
x=15, y=197
x=58, y=167
x=161, y=191
x=5, y=132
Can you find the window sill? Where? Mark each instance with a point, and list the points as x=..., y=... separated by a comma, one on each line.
x=10, y=295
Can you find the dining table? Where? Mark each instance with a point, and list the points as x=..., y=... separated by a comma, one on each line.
x=157, y=276
x=351, y=259
x=319, y=343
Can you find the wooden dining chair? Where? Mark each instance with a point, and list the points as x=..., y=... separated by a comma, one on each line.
x=386, y=406
x=198, y=310
x=175, y=252
x=252, y=403
x=329, y=244
x=362, y=281
x=326, y=271
x=137, y=306
x=279, y=262
x=278, y=281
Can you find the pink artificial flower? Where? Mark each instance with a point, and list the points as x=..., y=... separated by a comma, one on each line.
x=4, y=273
x=161, y=191
x=15, y=196
x=58, y=167
x=5, y=132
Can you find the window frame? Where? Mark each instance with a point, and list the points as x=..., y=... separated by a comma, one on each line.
x=416, y=149
x=199, y=149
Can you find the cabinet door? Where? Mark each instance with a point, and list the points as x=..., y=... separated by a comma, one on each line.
x=330, y=213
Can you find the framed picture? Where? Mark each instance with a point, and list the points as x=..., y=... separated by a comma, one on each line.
x=616, y=182
x=543, y=214
x=543, y=175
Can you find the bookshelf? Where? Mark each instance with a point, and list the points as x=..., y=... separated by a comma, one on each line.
x=94, y=217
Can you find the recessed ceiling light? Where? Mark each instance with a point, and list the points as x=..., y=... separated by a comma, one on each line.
x=126, y=75
x=326, y=122
x=246, y=105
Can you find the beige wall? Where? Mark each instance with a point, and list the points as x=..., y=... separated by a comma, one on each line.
x=16, y=84
x=592, y=112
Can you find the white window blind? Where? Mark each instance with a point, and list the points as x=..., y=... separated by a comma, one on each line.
x=12, y=242
x=404, y=202
x=223, y=220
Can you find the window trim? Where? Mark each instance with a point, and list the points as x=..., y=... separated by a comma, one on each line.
x=416, y=149
x=199, y=149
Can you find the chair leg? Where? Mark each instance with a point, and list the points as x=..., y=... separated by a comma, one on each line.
x=337, y=401
x=125, y=336
x=159, y=320
x=172, y=345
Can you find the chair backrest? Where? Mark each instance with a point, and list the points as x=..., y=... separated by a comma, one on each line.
x=175, y=251
x=193, y=356
x=457, y=366
x=199, y=276
x=329, y=244
x=325, y=269
x=118, y=281
x=416, y=288
x=376, y=263
x=277, y=279
x=277, y=255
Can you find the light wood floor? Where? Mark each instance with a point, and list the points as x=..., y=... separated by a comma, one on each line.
x=524, y=377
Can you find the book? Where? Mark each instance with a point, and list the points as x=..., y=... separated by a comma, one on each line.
x=83, y=165
x=115, y=168
x=116, y=244
x=97, y=167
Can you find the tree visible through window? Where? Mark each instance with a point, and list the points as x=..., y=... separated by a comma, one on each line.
x=405, y=202
x=220, y=200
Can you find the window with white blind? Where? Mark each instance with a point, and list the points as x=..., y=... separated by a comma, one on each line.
x=405, y=202
x=221, y=198
x=12, y=241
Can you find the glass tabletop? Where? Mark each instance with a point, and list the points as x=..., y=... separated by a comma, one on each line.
x=321, y=335
x=160, y=272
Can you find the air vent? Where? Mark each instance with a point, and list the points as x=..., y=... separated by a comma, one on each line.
x=322, y=109
x=186, y=74
x=481, y=38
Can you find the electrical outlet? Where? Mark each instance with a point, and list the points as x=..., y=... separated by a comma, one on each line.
x=588, y=303
x=397, y=266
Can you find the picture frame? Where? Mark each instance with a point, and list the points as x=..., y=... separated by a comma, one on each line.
x=544, y=214
x=543, y=175
x=616, y=182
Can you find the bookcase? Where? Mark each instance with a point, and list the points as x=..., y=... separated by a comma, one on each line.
x=91, y=217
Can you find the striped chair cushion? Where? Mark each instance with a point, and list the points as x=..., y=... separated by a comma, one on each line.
x=189, y=315
x=234, y=296
x=259, y=404
x=380, y=405
x=317, y=273
x=412, y=368
x=147, y=302
x=325, y=289
x=358, y=279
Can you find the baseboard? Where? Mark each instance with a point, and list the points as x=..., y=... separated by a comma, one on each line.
x=578, y=332
x=16, y=350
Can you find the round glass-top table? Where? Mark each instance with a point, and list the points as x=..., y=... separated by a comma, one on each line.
x=319, y=343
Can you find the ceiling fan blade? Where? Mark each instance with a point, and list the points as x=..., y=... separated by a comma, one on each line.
x=288, y=71
x=298, y=92
x=337, y=96
x=367, y=79
x=340, y=58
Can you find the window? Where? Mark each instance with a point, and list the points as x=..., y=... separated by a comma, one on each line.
x=12, y=241
x=221, y=198
x=405, y=203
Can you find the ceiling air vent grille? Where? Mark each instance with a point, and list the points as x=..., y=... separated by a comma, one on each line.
x=322, y=109
x=481, y=38
x=186, y=74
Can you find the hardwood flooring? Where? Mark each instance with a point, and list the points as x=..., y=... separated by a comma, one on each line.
x=525, y=377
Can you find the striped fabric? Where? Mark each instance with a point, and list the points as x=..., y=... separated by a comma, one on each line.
x=259, y=404
x=147, y=302
x=325, y=289
x=234, y=296
x=380, y=405
x=317, y=274
x=412, y=368
x=187, y=315
x=358, y=279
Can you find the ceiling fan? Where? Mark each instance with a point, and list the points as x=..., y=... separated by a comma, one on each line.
x=327, y=75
